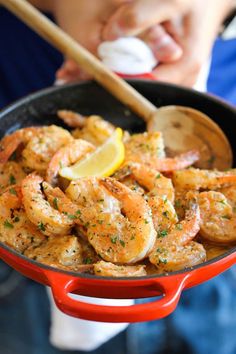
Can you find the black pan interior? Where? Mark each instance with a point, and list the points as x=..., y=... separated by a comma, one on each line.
x=89, y=98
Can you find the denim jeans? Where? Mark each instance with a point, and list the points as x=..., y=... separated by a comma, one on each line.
x=203, y=323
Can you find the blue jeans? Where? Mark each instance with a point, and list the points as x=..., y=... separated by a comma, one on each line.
x=203, y=323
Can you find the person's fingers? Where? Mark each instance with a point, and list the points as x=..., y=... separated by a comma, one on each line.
x=163, y=46
x=178, y=73
x=70, y=72
x=135, y=17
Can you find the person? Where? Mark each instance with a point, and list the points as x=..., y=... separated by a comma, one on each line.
x=183, y=41
x=204, y=311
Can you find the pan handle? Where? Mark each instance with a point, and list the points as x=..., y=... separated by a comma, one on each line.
x=171, y=287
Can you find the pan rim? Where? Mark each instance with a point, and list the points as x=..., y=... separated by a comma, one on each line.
x=46, y=91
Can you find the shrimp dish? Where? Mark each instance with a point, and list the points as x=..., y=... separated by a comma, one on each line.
x=124, y=209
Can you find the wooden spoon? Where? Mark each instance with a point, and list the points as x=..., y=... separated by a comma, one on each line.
x=183, y=127
x=187, y=128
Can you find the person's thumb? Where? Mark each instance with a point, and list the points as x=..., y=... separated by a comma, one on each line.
x=133, y=18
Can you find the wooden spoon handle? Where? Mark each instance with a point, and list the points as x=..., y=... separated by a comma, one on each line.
x=88, y=62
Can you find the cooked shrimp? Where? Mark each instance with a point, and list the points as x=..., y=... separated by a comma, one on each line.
x=179, y=162
x=174, y=258
x=107, y=269
x=144, y=146
x=66, y=156
x=230, y=194
x=87, y=200
x=10, y=143
x=218, y=218
x=15, y=228
x=130, y=237
x=94, y=129
x=41, y=147
x=57, y=199
x=88, y=252
x=159, y=192
x=115, y=238
x=154, y=182
x=88, y=192
x=48, y=220
x=72, y=119
x=63, y=252
x=82, y=210
x=195, y=179
x=10, y=173
x=184, y=231
x=11, y=198
x=147, y=148
x=175, y=241
x=163, y=213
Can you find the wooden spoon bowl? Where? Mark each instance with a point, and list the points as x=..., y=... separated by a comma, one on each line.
x=185, y=128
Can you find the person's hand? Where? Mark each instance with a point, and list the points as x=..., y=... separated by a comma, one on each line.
x=193, y=24
x=86, y=22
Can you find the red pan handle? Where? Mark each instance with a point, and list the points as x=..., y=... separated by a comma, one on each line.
x=62, y=285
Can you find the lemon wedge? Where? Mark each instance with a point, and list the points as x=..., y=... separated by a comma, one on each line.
x=103, y=162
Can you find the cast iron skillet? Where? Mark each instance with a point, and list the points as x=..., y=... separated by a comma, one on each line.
x=89, y=98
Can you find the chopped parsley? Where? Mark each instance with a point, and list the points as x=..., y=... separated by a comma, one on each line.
x=12, y=179
x=88, y=260
x=55, y=203
x=12, y=191
x=222, y=201
x=122, y=243
x=71, y=216
x=158, y=176
x=163, y=261
x=41, y=226
x=162, y=233
x=165, y=199
x=16, y=219
x=228, y=217
x=8, y=225
x=179, y=226
x=177, y=203
x=113, y=239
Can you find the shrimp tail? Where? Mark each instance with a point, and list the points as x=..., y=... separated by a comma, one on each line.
x=72, y=119
x=7, y=146
x=176, y=163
